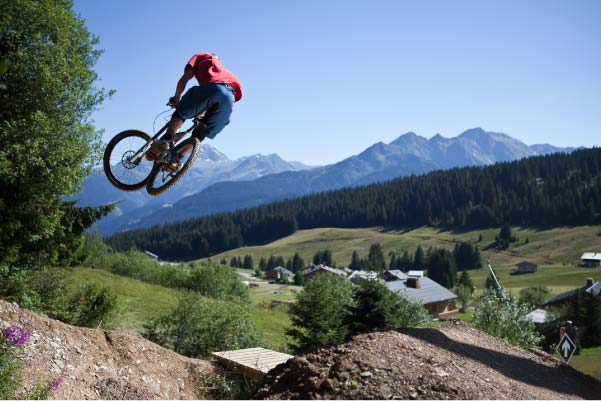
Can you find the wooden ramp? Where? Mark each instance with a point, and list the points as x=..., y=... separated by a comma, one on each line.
x=253, y=363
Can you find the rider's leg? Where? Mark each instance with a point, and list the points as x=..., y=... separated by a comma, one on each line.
x=218, y=111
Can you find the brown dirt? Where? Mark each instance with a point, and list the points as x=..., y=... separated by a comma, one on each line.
x=99, y=364
x=454, y=361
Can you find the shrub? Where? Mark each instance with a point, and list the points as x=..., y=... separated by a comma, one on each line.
x=320, y=313
x=218, y=282
x=375, y=306
x=88, y=306
x=198, y=326
x=464, y=296
x=505, y=318
x=534, y=296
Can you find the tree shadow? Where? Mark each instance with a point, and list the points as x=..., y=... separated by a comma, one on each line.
x=563, y=378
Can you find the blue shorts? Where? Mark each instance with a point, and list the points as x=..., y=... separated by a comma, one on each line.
x=216, y=99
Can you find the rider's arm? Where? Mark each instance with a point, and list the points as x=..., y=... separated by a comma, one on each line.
x=181, y=84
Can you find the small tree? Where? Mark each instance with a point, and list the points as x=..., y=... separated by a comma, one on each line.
x=375, y=306
x=320, y=313
x=355, y=262
x=299, y=278
x=248, y=262
x=298, y=263
x=505, y=318
x=534, y=296
x=441, y=268
x=376, y=257
x=198, y=326
x=464, y=296
x=419, y=260
x=505, y=237
x=466, y=280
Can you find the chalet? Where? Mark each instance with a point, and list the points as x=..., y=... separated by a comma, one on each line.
x=590, y=287
x=525, y=267
x=591, y=259
x=278, y=272
x=432, y=295
x=313, y=270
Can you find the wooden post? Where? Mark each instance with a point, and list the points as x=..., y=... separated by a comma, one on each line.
x=562, y=331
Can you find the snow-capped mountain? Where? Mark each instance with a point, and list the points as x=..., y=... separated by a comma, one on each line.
x=409, y=154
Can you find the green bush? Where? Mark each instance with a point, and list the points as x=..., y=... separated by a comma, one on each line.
x=534, y=296
x=88, y=306
x=464, y=296
x=375, y=306
x=209, y=279
x=505, y=318
x=218, y=282
x=198, y=326
x=320, y=314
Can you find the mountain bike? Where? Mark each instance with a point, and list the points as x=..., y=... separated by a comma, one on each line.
x=127, y=168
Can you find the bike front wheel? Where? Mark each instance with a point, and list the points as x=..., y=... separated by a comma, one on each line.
x=124, y=163
x=164, y=175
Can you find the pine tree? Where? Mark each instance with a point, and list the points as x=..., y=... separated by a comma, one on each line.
x=248, y=262
x=298, y=264
x=441, y=268
x=355, y=262
x=376, y=257
x=466, y=280
x=419, y=258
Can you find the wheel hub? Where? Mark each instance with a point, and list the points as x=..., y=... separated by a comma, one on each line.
x=126, y=160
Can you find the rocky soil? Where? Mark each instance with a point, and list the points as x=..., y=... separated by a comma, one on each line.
x=98, y=364
x=454, y=361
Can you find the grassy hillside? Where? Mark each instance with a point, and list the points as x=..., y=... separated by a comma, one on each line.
x=138, y=302
x=557, y=251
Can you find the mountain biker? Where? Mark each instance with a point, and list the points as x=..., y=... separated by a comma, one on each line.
x=215, y=94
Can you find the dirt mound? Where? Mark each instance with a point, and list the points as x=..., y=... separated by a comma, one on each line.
x=455, y=361
x=97, y=364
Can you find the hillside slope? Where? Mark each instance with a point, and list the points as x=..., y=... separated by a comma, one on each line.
x=455, y=361
x=97, y=364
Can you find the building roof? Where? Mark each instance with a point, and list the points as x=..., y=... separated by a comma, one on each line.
x=282, y=270
x=360, y=275
x=315, y=268
x=537, y=316
x=415, y=273
x=591, y=256
x=594, y=289
x=525, y=263
x=429, y=292
x=395, y=274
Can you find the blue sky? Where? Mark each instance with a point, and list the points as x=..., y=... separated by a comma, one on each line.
x=325, y=79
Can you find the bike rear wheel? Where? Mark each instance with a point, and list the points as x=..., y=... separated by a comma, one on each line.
x=122, y=169
x=162, y=177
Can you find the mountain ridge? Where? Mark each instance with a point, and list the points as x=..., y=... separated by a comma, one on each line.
x=409, y=154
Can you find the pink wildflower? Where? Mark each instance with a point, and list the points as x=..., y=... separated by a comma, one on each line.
x=55, y=383
x=15, y=336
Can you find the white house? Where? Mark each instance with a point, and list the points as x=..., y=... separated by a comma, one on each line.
x=591, y=259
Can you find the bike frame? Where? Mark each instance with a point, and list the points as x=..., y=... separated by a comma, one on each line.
x=136, y=158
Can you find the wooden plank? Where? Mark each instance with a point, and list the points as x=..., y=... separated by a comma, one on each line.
x=251, y=362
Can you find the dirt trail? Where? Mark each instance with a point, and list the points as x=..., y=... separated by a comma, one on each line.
x=97, y=364
x=455, y=361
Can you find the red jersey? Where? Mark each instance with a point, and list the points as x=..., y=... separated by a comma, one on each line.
x=208, y=69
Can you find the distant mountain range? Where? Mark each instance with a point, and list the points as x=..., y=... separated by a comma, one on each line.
x=217, y=184
x=211, y=166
